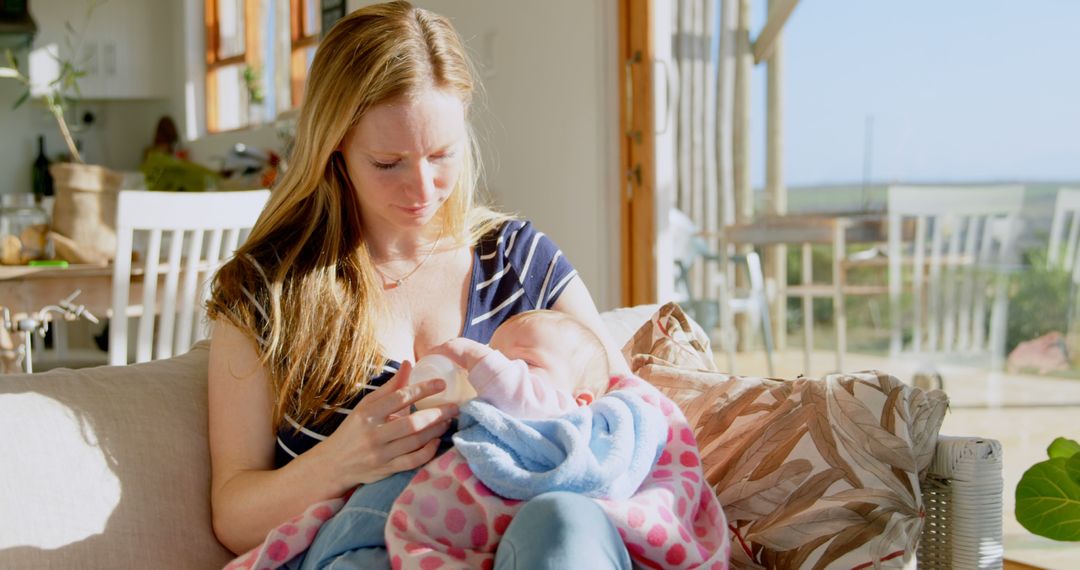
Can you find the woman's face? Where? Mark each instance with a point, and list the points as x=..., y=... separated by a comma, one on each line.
x=404, y=158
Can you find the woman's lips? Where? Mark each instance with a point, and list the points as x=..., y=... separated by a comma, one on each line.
x=414, y=211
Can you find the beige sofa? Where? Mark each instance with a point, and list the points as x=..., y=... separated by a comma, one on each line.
x=108, y=468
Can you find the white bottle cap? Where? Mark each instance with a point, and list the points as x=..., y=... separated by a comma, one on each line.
x=458, y=390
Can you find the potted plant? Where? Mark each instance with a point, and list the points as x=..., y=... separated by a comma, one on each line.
x=1048, y=495
x=84, y=214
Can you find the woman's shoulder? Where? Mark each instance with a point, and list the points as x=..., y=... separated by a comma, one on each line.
x=534, y=266
x=513, y=239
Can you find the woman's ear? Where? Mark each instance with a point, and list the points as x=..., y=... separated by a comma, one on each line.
x=584, y=398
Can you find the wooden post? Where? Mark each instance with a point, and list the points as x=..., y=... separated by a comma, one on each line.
x=637, y=153
x=744, y=195
x=775, y=190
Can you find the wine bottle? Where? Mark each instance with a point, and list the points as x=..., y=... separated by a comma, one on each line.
x=42, y=180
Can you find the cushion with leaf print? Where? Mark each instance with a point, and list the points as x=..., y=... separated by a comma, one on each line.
x=670, y=337
x=811, y=473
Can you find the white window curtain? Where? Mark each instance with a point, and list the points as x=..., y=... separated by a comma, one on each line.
x=701, y=86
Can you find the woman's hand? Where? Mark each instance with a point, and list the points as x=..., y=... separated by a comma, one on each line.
x=380, y=437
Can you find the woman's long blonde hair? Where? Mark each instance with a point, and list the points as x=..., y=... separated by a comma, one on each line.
x=303, y=285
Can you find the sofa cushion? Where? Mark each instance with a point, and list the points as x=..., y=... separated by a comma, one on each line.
x=107, y=467
x=811, y=473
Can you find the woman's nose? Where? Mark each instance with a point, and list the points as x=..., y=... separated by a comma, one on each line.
x=421, y=185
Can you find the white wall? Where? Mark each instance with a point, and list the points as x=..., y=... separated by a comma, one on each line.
x=549, y=125
x=122, y=128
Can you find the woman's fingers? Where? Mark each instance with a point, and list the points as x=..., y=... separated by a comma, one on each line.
x=412, y=442
x=415, y=422
x=416, y=458
x=398, y=381
x=393, y=397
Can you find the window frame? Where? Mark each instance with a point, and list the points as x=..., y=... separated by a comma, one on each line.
x=299, y=42
x=253, y=55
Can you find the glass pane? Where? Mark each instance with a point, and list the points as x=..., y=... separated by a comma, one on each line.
x=230, y=28
x=301, y=62
x=231, y=104
x=312, y=18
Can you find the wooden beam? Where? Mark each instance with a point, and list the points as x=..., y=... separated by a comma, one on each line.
x=775, y=259
x=778, y=16
x=637, y=152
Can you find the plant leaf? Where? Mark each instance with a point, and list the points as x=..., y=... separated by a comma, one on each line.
x=1048, y=499
x=1072, y=468
x=1063, y=447
x=8, y=72
x=22, y=99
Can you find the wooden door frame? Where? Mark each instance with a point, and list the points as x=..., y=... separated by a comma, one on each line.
x=637, y=153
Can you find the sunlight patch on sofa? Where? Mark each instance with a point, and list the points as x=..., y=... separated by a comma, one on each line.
x=61, y=473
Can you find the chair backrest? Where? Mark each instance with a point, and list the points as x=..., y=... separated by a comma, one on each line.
x=961, y=242
x=1065, y=233
x=200, y=231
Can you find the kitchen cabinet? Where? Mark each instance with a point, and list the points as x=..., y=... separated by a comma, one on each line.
x=126, y=51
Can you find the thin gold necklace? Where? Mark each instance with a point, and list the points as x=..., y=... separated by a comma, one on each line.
x=398, y=281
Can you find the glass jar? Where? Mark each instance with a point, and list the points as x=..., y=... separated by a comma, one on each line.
x=24, y=229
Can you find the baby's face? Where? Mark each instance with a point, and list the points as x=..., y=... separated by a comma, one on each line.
x=546, y=350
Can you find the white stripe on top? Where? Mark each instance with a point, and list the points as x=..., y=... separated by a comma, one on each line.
x=555, y=290
x=304, y=430
x=542, y=297
x=528, y=259
x=501, y=306
x=494, y=278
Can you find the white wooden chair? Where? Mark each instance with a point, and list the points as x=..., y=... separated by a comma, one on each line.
x=200, y=231
x=719, y=304
x=1065, y=233
x=962, y=246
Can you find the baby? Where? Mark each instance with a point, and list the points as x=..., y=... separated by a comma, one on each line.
x=542, y=420
x=539, y=364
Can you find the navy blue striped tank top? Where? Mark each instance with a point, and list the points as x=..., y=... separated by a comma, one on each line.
x=515, y=269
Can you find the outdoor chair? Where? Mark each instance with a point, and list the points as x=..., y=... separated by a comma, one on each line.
x=719, y=305
x=954, y=302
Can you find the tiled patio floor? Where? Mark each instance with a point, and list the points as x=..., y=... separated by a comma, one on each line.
x=1024, y=413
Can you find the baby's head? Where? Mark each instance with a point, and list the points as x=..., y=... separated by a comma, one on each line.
x=559, y=348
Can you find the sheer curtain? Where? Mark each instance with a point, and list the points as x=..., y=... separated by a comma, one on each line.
x=700, y=80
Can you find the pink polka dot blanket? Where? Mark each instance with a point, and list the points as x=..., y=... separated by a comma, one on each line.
x=455, y=510
x=448, y=517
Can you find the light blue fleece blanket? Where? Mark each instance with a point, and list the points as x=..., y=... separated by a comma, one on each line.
x=604, y=450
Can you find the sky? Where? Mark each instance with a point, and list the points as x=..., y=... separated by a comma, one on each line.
x=958, y=91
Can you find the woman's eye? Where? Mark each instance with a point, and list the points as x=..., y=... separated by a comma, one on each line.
x=383, y=165
x=442, y=156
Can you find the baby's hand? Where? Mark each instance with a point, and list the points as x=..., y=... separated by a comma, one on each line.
x=464, y=352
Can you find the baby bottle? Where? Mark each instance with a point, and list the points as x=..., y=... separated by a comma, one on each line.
x=458, y=390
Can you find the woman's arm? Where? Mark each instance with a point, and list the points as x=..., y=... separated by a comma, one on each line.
x=576, y=300
x=249, y=496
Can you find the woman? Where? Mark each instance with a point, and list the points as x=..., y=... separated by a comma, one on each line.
x=370, y=252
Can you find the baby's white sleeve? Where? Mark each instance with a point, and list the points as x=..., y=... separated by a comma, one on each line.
x=508, y=385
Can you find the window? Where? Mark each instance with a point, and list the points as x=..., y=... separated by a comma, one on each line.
x=306, y=25
x=257, y=56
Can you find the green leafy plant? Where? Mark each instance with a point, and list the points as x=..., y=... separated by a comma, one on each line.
x=1048, y=495
x=253, y=84
x=65, y=87
x=1038, y=300
x=167, y=173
